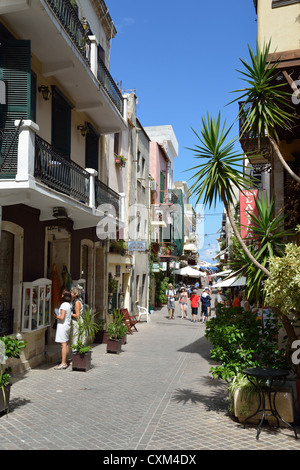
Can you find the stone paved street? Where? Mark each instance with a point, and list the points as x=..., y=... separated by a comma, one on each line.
x=156, y=395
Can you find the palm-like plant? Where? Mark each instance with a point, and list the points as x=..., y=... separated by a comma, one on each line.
x=266, y=240
x=220, y=172
x=266, y=108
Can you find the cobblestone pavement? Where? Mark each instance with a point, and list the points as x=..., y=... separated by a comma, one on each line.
x=156, y=395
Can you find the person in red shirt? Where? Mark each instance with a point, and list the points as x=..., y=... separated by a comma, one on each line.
x=237, y=300
x=194, y=305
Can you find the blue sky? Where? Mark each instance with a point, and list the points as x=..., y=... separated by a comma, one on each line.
x=181, y=59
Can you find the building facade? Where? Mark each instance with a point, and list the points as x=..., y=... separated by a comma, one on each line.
x=59, y=105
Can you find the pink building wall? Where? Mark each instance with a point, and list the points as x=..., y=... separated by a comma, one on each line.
x=158, y=163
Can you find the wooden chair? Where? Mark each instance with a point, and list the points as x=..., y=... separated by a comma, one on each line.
x=129, y=320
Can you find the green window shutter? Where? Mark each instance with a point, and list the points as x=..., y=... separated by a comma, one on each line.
x=15, y=64
x=162, y=186
x=15, y=72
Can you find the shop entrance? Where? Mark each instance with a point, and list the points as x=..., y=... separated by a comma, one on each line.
x=6, y=282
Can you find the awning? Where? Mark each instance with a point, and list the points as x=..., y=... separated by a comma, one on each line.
x=189, y=271
x=221, y=273
x=190, y=247
x=234, y=281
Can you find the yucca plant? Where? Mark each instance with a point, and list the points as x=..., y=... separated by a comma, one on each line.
x=266, y=240
x=221, y=171
x=266, y=108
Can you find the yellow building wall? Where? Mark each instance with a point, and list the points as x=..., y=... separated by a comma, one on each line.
x=281, y=25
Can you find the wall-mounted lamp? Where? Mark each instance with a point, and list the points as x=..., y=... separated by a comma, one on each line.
x=83, y=129
x=46, y=93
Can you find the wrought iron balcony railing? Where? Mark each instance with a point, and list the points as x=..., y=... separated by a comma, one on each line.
x=59, y=173
x=105, y=195
x=69, y=20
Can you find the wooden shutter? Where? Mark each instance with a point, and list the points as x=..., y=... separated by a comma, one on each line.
x=92, y=148
x=162, y=187
x=61, y=123
x=283, y=3
x=15, y=62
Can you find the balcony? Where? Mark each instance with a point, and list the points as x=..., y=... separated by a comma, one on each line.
x=257, y=151
x=167, y=220
x=68, y=55
x=32, y=172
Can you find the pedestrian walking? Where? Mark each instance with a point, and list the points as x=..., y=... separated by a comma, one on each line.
x=171, y=295
x=63, y=328
x=205, y=300
x=183, y=302
x=194, y=305
x=219, y=300
x=237, y=299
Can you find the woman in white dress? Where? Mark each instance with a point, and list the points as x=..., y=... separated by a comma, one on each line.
x=63, y=328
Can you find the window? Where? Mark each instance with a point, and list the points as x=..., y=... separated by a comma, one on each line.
x=283, y=3
x=61, y=123
x=117, y=144
x=36, y=306
x=92, y=148
x=162, y=187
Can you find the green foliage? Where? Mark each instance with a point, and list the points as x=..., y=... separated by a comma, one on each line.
x=81, y=347
x=88, y=325
x=222, y=170
x=240, y=342
x=13, y=347
x=161, y=287
x=117, y=329
x=283, y=288
x=265, y=106
x=265, y=240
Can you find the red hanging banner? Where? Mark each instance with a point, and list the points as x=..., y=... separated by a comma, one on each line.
x=247, y=207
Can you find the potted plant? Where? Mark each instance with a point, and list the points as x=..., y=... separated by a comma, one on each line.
x=88, y=326
x=101, y=335
x=120, y=160
x=9, y=347
x=117, y=332
x=112, y=285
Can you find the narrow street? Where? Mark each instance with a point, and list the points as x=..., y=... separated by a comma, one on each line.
x=156, y=395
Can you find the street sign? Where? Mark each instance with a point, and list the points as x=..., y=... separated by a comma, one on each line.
x=155, y=267
x=136, y=245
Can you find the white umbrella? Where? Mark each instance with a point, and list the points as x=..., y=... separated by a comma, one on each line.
x=231, y=282
x=189, y=271
x=190, y=247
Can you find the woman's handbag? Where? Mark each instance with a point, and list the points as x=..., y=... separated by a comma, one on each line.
x=56, y=312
